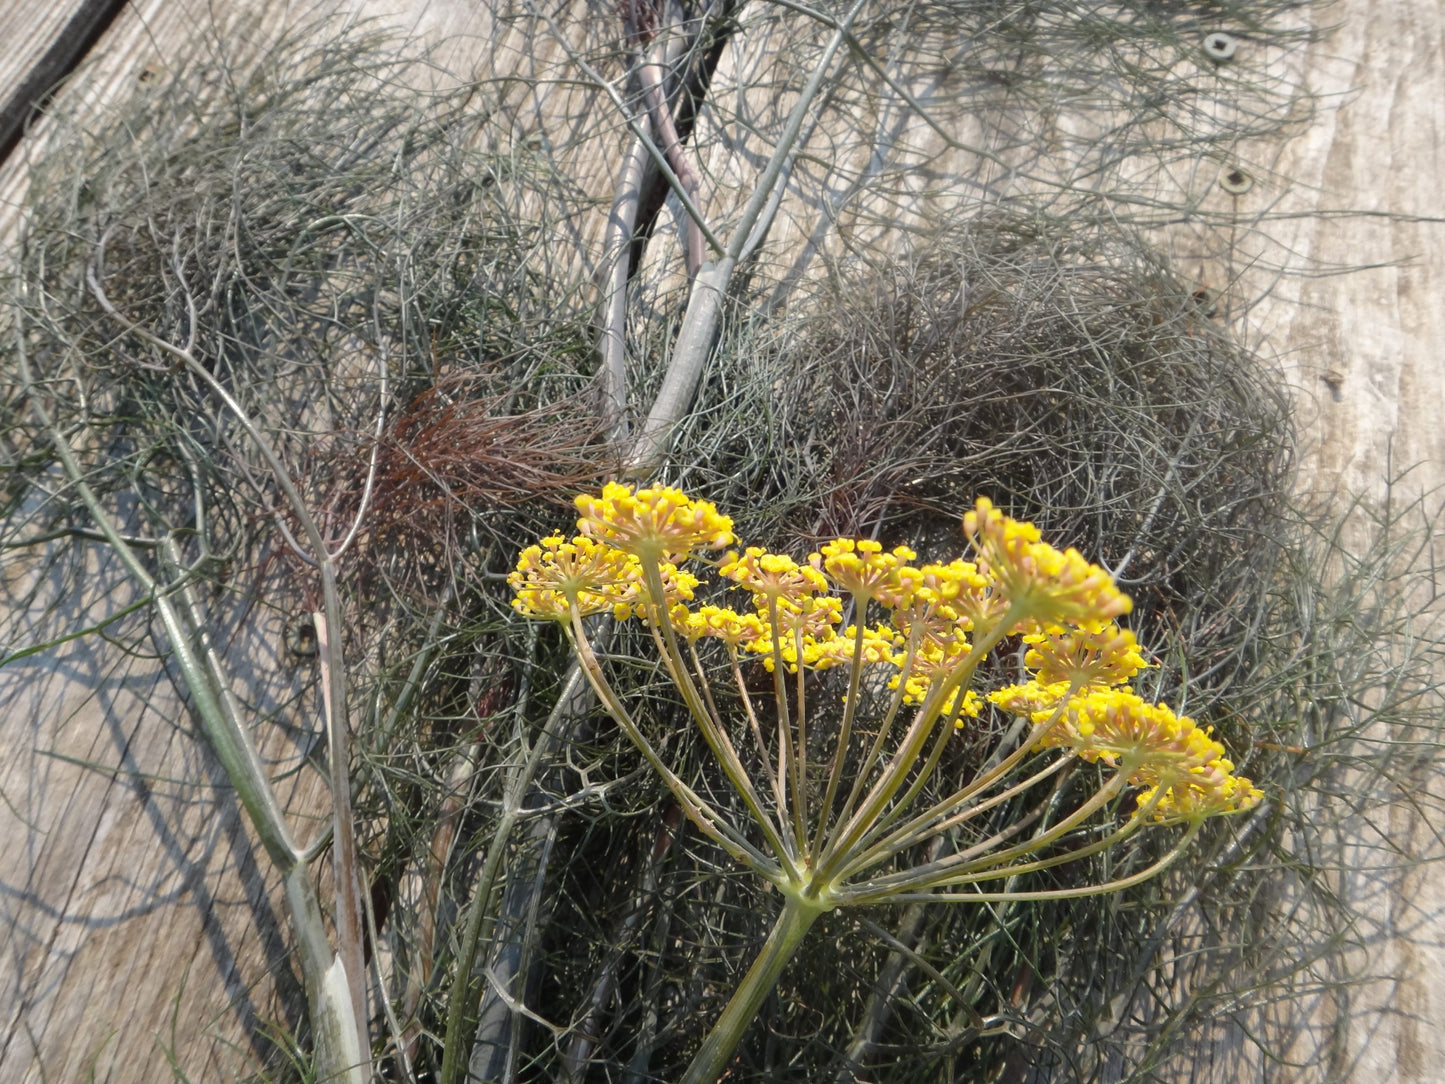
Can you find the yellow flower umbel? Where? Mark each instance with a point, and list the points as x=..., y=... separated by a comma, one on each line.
x=864, y=570
x=1185, y=768
x=1047, y=585
x=925, y=631
x=653, y=522
x=1093, y=654
x=556, y=576
x=732, y=628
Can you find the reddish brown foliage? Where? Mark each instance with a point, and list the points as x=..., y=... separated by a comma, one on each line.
x=453, y=456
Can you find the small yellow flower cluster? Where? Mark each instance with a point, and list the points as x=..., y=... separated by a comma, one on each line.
x=958, y=591
x=941, y=648
x=1095, y=653
x=678, y=588
x=602, y=567
x=880, y=645
x=1183, y=766
x=555, y=575
x=860, y=567
x=732, y=628
x=774, y=576
x=1193, y=800
x=1055, y=586
x=658, y=522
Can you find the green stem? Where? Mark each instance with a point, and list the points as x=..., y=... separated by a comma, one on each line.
x=800, y=721
x=991, y=775
x=708, y=821
x=910, y=835
x=712, y=1058
x=571, y=702
x=841, y=849
x=787, y=755
x=346, y=868
x=956, y=870
x=945, y=729
x=338, y=1058
x=764, y=752
x=703, y=713
x=845, y=732
x=885, y=727
x=1052, y=893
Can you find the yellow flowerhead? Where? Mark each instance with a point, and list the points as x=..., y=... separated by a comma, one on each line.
x=1053, y=586
x=934, y=662
x=686, y=623
x=555, y=575
x=732, y=628
x=1109, y=724
x=809, y=619
x=1178, y=761
x=1187, y=801
x=879, y=644
x=774, y=576
x=957, y=591
x=1037, y=701
x=655, y=523
x=678, y=587
x=934, y=621
x=915, y=691
x=864, y=570
x=1100, y=653
x=809, y=615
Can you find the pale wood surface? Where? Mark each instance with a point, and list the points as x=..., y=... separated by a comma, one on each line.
x=1364, y=351
x=130, y=900
x=43, y=41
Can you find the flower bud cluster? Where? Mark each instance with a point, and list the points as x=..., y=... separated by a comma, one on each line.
x=1056, y=586
x=554, y=576
x=658, y=523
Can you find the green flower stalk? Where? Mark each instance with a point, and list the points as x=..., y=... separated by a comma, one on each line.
x=845, y=832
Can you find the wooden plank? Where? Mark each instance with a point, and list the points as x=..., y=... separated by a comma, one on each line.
x=46, y=42
x=136, y=919
x=150, y=40
x=1363, y=350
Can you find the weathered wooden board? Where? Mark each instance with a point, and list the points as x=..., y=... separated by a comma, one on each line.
x=1363, y=349
x=131, y=902
x=43, y=43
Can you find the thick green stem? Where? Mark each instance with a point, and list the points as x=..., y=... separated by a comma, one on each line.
x=338, y=1056
x=345, y=861
x=710, y=286
x=712, y=1058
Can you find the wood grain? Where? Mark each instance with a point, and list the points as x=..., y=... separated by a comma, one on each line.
x=1363, y=350
x=140, y=932
x=49, y=40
